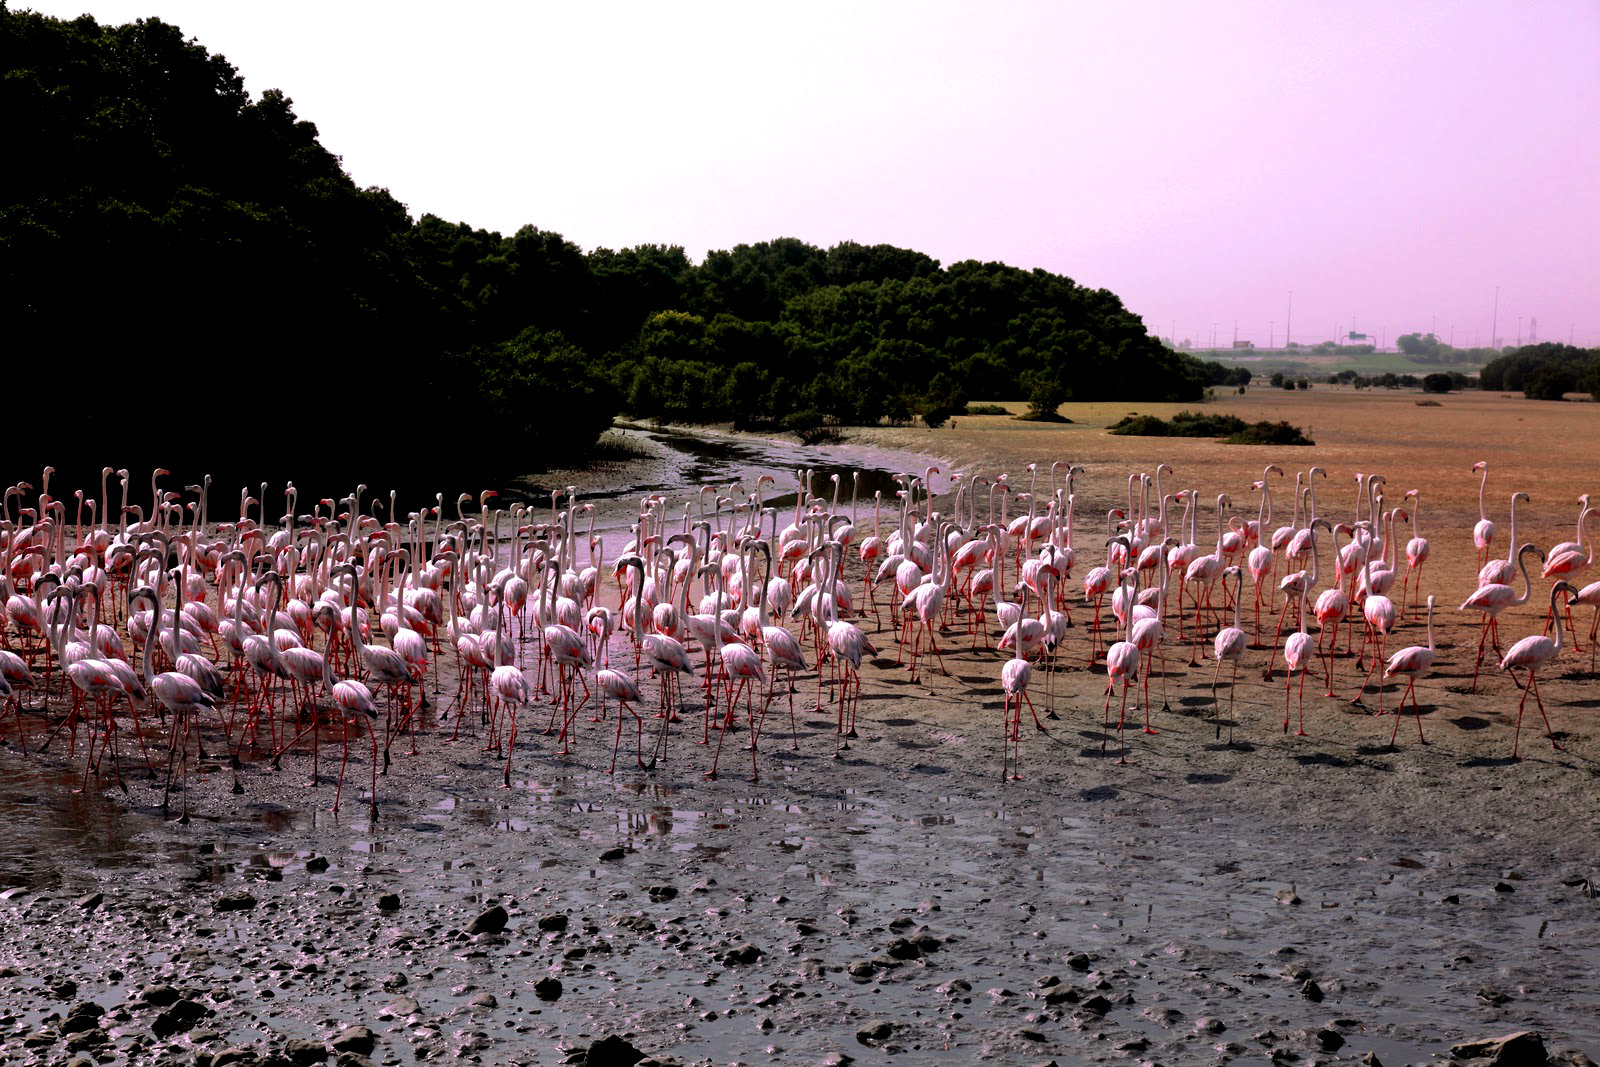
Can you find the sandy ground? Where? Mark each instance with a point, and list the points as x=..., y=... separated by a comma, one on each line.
x=1309, y=899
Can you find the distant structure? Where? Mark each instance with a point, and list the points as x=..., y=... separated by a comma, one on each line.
x=1533, y=330
x=1243, y=344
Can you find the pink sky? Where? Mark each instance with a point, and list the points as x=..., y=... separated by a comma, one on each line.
x=1390, y=163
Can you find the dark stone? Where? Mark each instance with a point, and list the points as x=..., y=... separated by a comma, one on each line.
x=1078, y=961
x=1493, y=996
x=1138, y=1044
x=1524, y=1048
x=1311, y=991
x=305, y=1053
x=1504, y=887
x=1097, y=1004
x=660, y=893
x=874, y=1032
x=316, y=865
x=1329, y=1039
x=606, y=857
x=389, y=902
x=547, y=989
x=612, y=1051
x=177, y=1019
x=745, y=953
x=357, y=1039
x=1371, y=1060
x=1065, y=995
x=555, y=923
x=234, y=1056
x=240, y=901
x=159, y=996
x=489, y=921
x=901, y=949
x=92, y=901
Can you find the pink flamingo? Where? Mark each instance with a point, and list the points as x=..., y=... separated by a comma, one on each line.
x=1501, y=571
x=1492, y=600
x=1589, y=595
x=1014, y=678
x=1296, y=657
x=1483, y=532
x=1229, y=644
x=1413, y=661
x=624, y=690
x=508, y=683
x=1378, y=611
x=743, y=666
x=1416, y=549
x=1531, y=653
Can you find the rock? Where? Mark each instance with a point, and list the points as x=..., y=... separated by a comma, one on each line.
x=862, y=969
x=159, y=996
x=1371, y=1060
x=1288, y=896
x=1504, y=887
x=1525, y=1048
x=175, y=1020
x=1453, y=898
x=661, y=893
x=1066, y=995
x=612, y=1051
x=357, y=1039
x=305, y=1053
x=1310, y=990
x=389, y=902
x=353, y=1059
x=746, y=953
x=1097, y=1004
x=239, y=901
x=1493, y=996
x=901, y=949
x=238, y=1055
x=316, y=865
x=485, y=1001
x=875, y=1032
x=1208, y=1025
x=1030, y=1035
x=91, y=901
x=1328, y=1039
x=546, y=988
x=400, y=1008
x=1078, y=961
x=395, y=982
x=552, y=923
x=489, y=921
x=606, y=857
x=1138, y=1044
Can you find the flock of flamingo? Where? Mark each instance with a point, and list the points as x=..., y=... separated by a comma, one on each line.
x=165, y=632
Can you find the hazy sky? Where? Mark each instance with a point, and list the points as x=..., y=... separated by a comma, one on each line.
x=1391, y=163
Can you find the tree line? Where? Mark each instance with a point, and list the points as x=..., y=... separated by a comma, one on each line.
x=191, y=279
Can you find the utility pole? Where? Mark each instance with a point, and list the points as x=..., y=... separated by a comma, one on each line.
x=1288, y=321
x=1271, y=325
x=1494, y=323
x=1235, y=333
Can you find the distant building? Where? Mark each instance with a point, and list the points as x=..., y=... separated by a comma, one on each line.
x=1244, y=344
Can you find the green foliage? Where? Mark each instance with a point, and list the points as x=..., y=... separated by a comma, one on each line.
x=986, y=409
x=160, y=205
x=1269, y=433
x=1232, y=429
x=1542, y=372
x=1437, y=383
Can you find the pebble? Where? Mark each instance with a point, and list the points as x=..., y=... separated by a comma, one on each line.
x=317, y=864
x=389, y=902
x=237, y=901
x=357, y=1039
x=305, y=1052
x=91, y=901
x=875, y=1032
x=547, y=989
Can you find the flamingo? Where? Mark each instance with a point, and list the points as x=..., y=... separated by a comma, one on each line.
x=1378, y=611
x=507, y=682
x=1590, y=595
x=1492, y=600
x=1413, y=661
x=1416, y=549
x=1483, y=532
x=1531, y=653
x=1229, y=644
x=1014, y=678
x=1501, y=571
x=1296, y=654
x=621, y=687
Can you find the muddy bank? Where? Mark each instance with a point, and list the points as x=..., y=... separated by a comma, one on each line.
x=1306, y=898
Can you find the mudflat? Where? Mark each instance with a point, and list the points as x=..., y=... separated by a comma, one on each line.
x=1234, y=890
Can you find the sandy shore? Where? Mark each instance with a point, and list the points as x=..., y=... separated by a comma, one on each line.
x=1306, y=899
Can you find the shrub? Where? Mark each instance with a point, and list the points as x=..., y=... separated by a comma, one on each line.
x=986, y=409
x=1269, y=433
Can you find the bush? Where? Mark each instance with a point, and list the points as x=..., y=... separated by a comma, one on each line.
x=986, y=409
x=1550, y=381
x=1269, y=433
x=1140, y=426
x=1437, y=383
